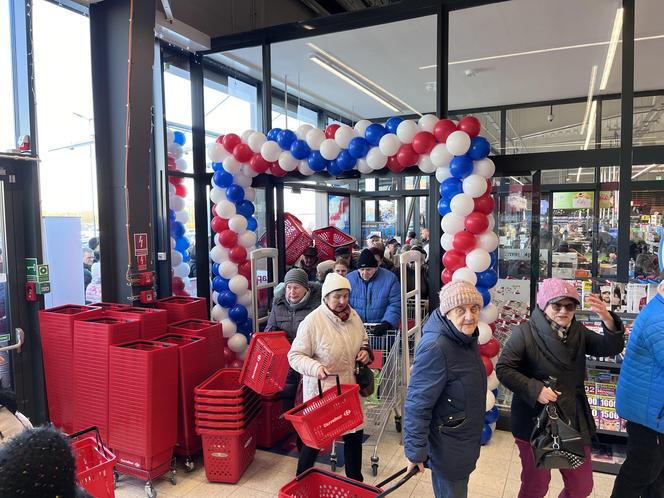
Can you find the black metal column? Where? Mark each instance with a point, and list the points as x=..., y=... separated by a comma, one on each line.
x=535, y=236
x=122, y=53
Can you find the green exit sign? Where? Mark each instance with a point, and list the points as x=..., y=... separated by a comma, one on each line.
x=43, y=273
x=31, y=269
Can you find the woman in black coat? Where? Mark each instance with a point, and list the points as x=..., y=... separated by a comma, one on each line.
x=553, y=344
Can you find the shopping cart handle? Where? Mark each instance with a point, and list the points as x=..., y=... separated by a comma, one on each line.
x=399, y=483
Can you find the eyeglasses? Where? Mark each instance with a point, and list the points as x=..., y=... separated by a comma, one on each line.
x=461, y=310
x=568, y=306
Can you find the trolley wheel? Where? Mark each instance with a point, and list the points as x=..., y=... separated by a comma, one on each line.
x=150, y=492
x=374, y=469
x=174, y=477
x=333, y=464
x=397, y=423
x=189, y=465
x=116, y=477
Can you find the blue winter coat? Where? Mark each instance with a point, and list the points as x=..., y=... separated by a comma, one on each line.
x=446, y=400
x=640, y=393
x=379, y=299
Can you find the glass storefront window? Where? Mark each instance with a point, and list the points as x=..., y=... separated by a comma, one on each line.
x=420, y=182
x=514, y=224
x=611, y=114
x=646, y=172
x=648, y=127
x=566, y=176
x=7, y=131
x=177, y=106
x=607, y=237
x=647, y=208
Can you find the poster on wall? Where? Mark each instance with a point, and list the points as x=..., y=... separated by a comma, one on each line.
x=338, y=210
x=572, y=200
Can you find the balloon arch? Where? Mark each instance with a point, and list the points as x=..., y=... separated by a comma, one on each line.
x=453, y=151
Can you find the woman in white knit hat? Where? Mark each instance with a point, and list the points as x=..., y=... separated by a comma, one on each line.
x=329, y=341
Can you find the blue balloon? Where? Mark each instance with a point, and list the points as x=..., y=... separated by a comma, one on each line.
x=185, y=257
x=217, y=166
x=492, y=415
x=486, y=295
x=171, y=215
x=245, y=208
x=345, y=160
x=392, y=124
x=222, y=179
x=238, y=313
x=300, y=149
x=374, y=133
x=486, y=434
x=246, y=327
x=234, y=193
x=444, y=206
x=334, y=169
x=495, y=392
x=479, y=148
x=317, y=162
x=182, y=244
x=220, y=284
x=215, y=269
x=179, y=138
x=273, y=134
x=227, y=299
x=252, y=224
x=177, y=229
x=358, y=147
x=451, y=187
x=494, y=259
x=286, y=138
x=461, y=166
x=487, y=278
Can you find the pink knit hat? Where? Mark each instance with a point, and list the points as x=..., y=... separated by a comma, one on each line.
x=459, y=294
x=553, y=290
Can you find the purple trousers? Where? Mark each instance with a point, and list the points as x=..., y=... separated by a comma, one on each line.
x=535, y=482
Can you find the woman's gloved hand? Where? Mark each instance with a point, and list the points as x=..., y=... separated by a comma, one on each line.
x=382, y=328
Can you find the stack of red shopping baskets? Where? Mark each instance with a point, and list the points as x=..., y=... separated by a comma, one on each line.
x=266, y=364
x=152, y=322
x=226, y=419
x=210, y=330
x=297, y=238
x=94, y=464
x=272, y=425
x=328, y=239
x=183, y=307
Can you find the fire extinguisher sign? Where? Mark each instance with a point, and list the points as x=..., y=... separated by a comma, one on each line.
x=140, y=244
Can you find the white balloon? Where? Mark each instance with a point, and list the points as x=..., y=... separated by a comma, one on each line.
x=237, y=343
x=246, y=300
x=256, y=141
x=329, y=149
x=270, y=151
x=478, y=260
x=443, y=173
x=172, y=244
x=216, y=239
x=246, y=134
x=302, y=131
x=238, y=284
x=219, y=254
x=216, y=152
x=484, y=167
x=425, y=164
x=389, y=144
x=176, y=259
x=489, y=313
x=238, y=223
x=440, y=156
x=446, y=241
x=494, y=360
x=474, y=185
x=176, y=150
x=177, y=203
x=376, y=159
x=219, y=313
x=247, y=239
x=227, y=269
x=485, y=333
x=451, y=223
x=250, y=194
x=315, y=138
x=406, y=130
x=247, y=170
x=492, y=221
x=343, y=136
x=232, y=165
x=488, y=241
x=287, y=162
x=464, y=274
x=228, y=328
x=217, y=194
x=171, y=189
x=458, y=143
x=361, y=126
x=427, y=122
x=181, y=164
x=242, y=180
x=170, y=136
x=492, y=381
x=363, y=167
x=215, y=297
x=462, y=205
x=182, y=217
x=225, y=209
x=490, y=399
x=304, y=168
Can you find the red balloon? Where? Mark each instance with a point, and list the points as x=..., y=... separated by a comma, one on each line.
x=331, y=130
x=423, y=142
x=476, y=222
x=492, y=326
x=220, y=139
x=219, y=224
x=242, y=152
x=181, y=190
x=175, y=180
x=238, y=254
x=177, y=284
x=171, y=162
x=229, y=356
x=258, y=164
x=228, y=238
x=490, y=349
x=485, y=203
x=471, y=125
x=443, y=129
x=244, y=269
x=488, y=366
x=230, y=141
x=446, y=276
x=236, y=364
x=393, y=164
x=407, y=156
x=276, y=170
x=453, y=260
x=464, y=241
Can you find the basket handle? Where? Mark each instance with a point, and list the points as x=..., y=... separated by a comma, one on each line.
x=399, y=483
x=320, y=387
x=100, y=443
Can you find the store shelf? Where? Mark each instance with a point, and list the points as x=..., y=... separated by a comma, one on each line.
x=606, y=467
x=602, y=364
x=612, y=433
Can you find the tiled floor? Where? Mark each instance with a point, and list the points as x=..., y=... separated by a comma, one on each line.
x=496, y=476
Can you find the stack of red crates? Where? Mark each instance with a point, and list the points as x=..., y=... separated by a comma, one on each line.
x=192, y=371
x=216, y=342
x=143, y=400
x=182, y=307
x=92, y=338
x=153, y=322
x=272, y=426
x=57, y=337
x=226, y=418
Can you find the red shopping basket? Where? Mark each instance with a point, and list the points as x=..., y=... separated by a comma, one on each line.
x=272, y=426
x=266, y=365
x=228, y=453
x=328, y=239
x=297, y=238
x=181, y=308
x=334, y=412
x=94, y=464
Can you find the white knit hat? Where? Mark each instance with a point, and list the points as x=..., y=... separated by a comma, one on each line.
x=333, y=282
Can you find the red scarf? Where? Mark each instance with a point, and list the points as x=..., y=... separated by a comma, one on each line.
x=343, y=315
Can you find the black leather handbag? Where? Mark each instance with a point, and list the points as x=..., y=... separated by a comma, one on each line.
x=555, y=443
x=365, y=379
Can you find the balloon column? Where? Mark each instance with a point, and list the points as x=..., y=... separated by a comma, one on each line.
x=177, y=214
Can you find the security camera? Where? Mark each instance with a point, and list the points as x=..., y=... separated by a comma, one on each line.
x=550, y=118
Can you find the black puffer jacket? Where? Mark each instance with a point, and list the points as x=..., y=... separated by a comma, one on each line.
x=533, y=353
x=287, y=317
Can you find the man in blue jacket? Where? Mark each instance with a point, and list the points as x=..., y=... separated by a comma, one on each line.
x=375, y=294
x=640, y=401
x=446, y=398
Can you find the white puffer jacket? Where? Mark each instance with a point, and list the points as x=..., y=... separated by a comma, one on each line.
x=324, y=340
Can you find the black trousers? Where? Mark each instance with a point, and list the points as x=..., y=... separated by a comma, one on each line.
x=642, y=473
x=352, y=456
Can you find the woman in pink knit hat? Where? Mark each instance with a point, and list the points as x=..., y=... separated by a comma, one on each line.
x=552, y=344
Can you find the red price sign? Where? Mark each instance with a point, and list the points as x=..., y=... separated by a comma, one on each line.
x=142, y=262
x=140, y=244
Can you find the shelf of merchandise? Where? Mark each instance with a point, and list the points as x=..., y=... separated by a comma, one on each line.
x=602, y=364
x=606, y=467
x=612, y=433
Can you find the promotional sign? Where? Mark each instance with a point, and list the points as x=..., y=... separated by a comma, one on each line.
x=572, y=200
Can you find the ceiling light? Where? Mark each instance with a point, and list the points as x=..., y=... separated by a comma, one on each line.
x=591, y=90
x=613, y=44
x=591, y=124
x=644, y=170
x=348, y=79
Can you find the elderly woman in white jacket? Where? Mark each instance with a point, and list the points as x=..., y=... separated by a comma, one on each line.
x=329, y=341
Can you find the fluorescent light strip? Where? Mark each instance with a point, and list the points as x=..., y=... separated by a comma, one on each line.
x=644, y=170
x=591, y=124
x=325, y=65
x=591, y=89
x=613, y=44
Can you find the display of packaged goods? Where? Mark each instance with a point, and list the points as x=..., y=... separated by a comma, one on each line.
x=637, y=297
x=600, y=387
x=586, y=292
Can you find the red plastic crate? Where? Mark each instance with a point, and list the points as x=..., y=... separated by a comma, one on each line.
x=192, y=371
x=143, y=400
x=208, y=405
x=227, y=454
x=57, y=337
x=153, y=322
x=182, y=308
x=266, y=365
x=216, y=342
x=247, y=413
x=272, y=425
x=328, y=239
x=224, y=384
x=92, y=338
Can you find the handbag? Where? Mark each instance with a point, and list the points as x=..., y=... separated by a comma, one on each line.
x=364, y=377
x=555, y=443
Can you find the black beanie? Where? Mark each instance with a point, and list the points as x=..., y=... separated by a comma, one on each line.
x=367, y=260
